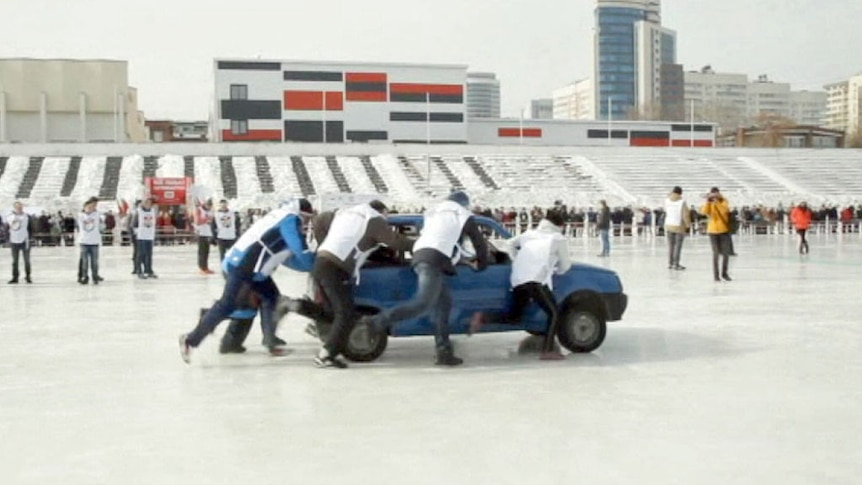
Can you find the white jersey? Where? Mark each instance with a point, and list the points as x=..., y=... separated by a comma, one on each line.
x=346, y=231
x=225, y=225
x=88, y=229
x=146, y=227
x=203, y=223
x=538, y=255
x=673, y=212
x=19, y=228
x=442, y=229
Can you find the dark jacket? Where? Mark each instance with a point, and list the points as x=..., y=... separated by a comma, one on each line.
x=604, y=221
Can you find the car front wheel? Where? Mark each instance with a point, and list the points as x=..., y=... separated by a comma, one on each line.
x=364, y=343
x=581, y=330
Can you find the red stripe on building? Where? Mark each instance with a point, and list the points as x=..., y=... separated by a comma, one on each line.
x=415, y=88
x=516, y=133
x=312, y=101
x=687, y=143
x=252, y=135
x=365, y=77
x=365, y=96
x=680, y=143
x=649, y=142
x=703, y=143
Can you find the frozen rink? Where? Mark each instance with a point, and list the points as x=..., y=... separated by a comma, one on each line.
x=756, y=381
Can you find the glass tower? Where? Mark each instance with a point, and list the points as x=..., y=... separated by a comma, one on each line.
x=616, y=53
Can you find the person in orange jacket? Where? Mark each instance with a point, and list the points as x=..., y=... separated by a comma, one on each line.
x=718, y=227
x=800, y=216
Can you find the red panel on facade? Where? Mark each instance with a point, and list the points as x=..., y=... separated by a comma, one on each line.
x=366, y=96
x=416, y=88
x=680, y=143
x=650, y=142
x=365, y=77
x=312, y=101
x=516, y=133
x=703, y=143
x=252, y=135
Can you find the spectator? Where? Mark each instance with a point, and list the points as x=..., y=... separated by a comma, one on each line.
x=718, y=228
x=604, y=226
x=677, y=221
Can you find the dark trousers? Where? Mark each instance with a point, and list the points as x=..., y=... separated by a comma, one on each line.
x=134, y=240
x=233, y=297
x=89, y=257
x=144, y=263
x=17, y=249
x=203, y=252
x=674, y=245
x=223, y=246
x=432, y=297
x=544, y=297
x=721, y=246
x=337, y=288
x=803, y=243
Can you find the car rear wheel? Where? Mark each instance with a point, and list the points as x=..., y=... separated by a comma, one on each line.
x=581, y=330
x=365, y=343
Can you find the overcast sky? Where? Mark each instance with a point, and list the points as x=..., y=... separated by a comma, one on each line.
x=532, y=45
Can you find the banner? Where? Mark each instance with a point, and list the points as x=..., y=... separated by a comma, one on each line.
x=168, y=190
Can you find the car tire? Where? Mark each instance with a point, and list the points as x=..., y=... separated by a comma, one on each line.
x=581, y=330
x=364, y=343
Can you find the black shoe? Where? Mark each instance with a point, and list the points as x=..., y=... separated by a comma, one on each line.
x=447, y=357
x=679, y=267
x=28, y=280
x=325, y=361
x=84, y=281
x=141, y=276
x=726, y=277
x=152, y=276
x=274, y=342
x=134, y=271
x=232, y=349
x=717, y=279
x=13, y=281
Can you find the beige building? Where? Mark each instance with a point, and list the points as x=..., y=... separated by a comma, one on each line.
x=733, y=101
x=575, y=101
x=844, y=105
x=68, y=100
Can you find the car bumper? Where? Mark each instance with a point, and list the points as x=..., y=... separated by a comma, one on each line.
x=615, y=304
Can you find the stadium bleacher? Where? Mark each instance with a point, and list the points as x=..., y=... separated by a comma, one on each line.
x=636, y=177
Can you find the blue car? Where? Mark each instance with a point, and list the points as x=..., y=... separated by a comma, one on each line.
x=588, y=297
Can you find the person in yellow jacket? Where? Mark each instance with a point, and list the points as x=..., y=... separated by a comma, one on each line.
x=718, y=227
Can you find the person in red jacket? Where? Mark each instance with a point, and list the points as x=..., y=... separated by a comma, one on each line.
x=800, y=216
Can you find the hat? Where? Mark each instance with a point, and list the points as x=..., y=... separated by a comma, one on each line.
x=677, y=190
x=305, y=206
x=378, y=205
x=714, y=190
x=91, y=200
x=460, y=197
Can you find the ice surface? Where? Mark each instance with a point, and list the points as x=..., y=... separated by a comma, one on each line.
x=755, y=381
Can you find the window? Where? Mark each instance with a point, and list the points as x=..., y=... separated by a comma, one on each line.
x=239, y=127
x=238, y=91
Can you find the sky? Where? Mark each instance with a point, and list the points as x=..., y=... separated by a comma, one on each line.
x=533, y=46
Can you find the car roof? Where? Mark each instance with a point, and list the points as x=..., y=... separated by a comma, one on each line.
x=404, y=219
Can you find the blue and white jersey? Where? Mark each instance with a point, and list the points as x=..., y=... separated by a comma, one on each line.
x=274, y=240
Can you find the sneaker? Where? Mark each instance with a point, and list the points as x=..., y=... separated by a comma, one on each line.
x=153, y=276
x=552, y=355
x=726, y=277
x=97, y=280
x=447, y=357
x=141, y=276
x=323, y=360
x=185, y=349
x=28, y=280
x=84, y=281
x=279, y=351
x=235, y=349
x=13, y=281
x=679, y=267
x=274, y=342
